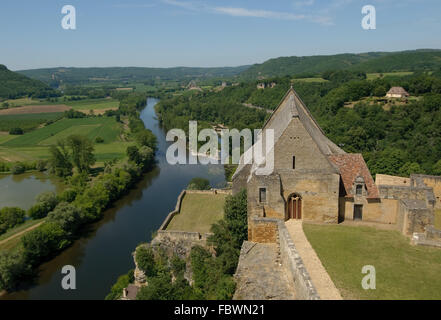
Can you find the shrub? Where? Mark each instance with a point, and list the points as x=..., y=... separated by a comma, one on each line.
x=145, y=258
x=13, y=267
x=199, y=184
x=99, y=140
x=16, y=131
x=41, y=165
x=18, y=168
x=67, y=195
x=46, y=202
x=10, y=217
x=122, y=282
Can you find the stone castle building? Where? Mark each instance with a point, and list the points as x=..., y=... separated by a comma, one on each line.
x=315, y=180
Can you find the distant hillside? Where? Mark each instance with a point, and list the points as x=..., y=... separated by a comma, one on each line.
x=419, y=60
x=13, y=85
x=128, y=74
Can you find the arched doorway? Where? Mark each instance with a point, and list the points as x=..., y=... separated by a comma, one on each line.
x=294, y=207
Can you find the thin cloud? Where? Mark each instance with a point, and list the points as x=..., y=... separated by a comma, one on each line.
x=243, y=12
x=249, y=13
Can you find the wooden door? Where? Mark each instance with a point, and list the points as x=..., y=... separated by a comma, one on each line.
x=294, y=208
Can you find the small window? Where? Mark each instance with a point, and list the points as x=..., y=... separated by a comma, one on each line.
x=262, y=194
x=293, y=162
x=359, y=190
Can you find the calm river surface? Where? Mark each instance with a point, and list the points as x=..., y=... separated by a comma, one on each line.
x=105, y=252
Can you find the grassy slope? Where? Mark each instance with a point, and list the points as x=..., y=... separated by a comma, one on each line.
x=403, y=271
x=198, y=212
x=35, y=144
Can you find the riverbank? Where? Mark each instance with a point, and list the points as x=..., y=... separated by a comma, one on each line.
x=83, y=204
x=103, y=252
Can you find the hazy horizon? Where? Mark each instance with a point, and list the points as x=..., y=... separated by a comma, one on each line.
x=212, y=33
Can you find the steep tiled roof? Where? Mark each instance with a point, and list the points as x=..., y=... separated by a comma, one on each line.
x=398, y=90
x=352, y=166
x=292, y=106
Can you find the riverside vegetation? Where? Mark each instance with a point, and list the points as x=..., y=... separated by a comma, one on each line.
x=212, y=272
x=84, y=201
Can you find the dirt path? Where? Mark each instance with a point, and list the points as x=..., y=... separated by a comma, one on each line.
x=20, y=233
x=320, y=278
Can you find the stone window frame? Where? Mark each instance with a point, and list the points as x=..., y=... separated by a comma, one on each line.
x=359, y=183
x=260, y=194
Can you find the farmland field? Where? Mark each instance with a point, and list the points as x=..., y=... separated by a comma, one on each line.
x=106, y=128
x=373, y=76
x=82, y=105
x=26, y=121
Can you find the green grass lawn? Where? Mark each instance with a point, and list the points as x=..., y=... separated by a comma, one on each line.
x=403, y=271
x=198, y=212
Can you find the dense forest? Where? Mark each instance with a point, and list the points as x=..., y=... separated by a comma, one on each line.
x=15, y=85
x=54, y=76
x=402, y=139
x=366, y=62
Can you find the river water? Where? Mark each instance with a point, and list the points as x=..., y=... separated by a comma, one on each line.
x=104, y=252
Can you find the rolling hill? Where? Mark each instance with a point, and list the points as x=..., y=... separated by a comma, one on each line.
x=128, y=74
x=418, y=60
x=13, y=85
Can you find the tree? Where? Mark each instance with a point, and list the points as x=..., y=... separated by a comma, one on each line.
x=236, y=217
x=82, y=152
x=18, y=168
x=13, y=267
x=437, y=168
x=45, y=203
x=145, y=258
x=67, y=216
x=60, y=159
x=16, y=131
x=10, y=217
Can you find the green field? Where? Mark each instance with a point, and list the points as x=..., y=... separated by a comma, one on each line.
x=373, y=76
x=91, y=104
x=34, y=145
x=27, y=122
x=403, y=271
x=198, y=212
x=83, y=105
x=104, y=127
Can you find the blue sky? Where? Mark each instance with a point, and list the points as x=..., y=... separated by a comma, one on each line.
x=166, y=33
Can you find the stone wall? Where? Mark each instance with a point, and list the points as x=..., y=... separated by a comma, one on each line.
x=384, y=179
x=414, y=216
x=263, y=230
x=433, y=182
x=292, y=261
x=432, y=233
x=170, y=216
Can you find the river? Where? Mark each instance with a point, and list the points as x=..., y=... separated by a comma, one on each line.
x=104, y=252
